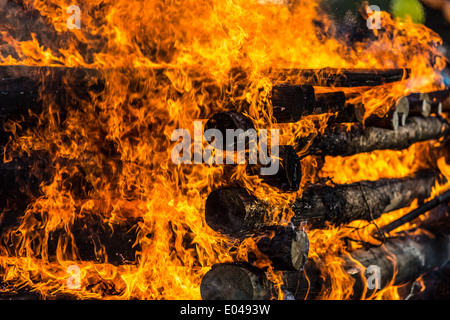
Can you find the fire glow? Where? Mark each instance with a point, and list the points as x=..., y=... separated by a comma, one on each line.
x=167, y=65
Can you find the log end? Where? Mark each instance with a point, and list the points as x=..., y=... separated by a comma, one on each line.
x=288, y=176
x=288, y=103
x=402, y=109
x=225, y=211
x=230, y=120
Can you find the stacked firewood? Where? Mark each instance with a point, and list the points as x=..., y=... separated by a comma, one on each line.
x=234, y=211
x=403, y=257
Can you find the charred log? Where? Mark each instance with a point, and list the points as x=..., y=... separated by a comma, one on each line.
x=419, y=105
x=22, y=87
x=393, y=119
x=234, y=211
x=398, y=261
x=286, y=247
x=342, y=77
x=290, y=103
x=338, y=140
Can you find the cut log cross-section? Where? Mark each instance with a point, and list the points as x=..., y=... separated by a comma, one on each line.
x=338, y=140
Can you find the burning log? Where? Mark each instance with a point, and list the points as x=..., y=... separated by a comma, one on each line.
x=241, y=281
x=286, y=247
x=439, y=100
x=350, y=113
x=234, y=211
x=343, y=77
x=21, y=87
x=338, y=140
x=419, y=104
x=288, y=176
x=438, y=200
x=329, y=102
x=394, y=118
x=89, y=238
x=290, y=103
x=399, y=260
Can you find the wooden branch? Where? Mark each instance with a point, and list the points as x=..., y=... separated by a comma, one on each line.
x=399, y=260
x=233, y=211
x=338, y=140
x=333, y=77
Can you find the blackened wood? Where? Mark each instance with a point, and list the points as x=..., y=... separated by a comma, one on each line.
x=22, y=87
x=290, y=103
x=335, y=77
x=393, y=119
x=419, y=105
x=92, y=237
x=286, y=247
x=339, y=140
x=229, y=120
x=349, y=114
x=398, y=261
x=241, y=281
x=329, y=102
x=288, y=174
x=439, y=100
x=410, y=216
x=234, y=211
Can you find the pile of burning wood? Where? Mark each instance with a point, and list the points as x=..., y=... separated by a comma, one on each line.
x=402, y=257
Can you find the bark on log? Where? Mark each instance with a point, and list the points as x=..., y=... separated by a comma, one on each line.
x=288, y=175
x=21, y=87
x=394, y=118
x=342, y=77
x=338, y=140
x=241, y=281
x=399, y=260
x=233, y=211
x=286, y=247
